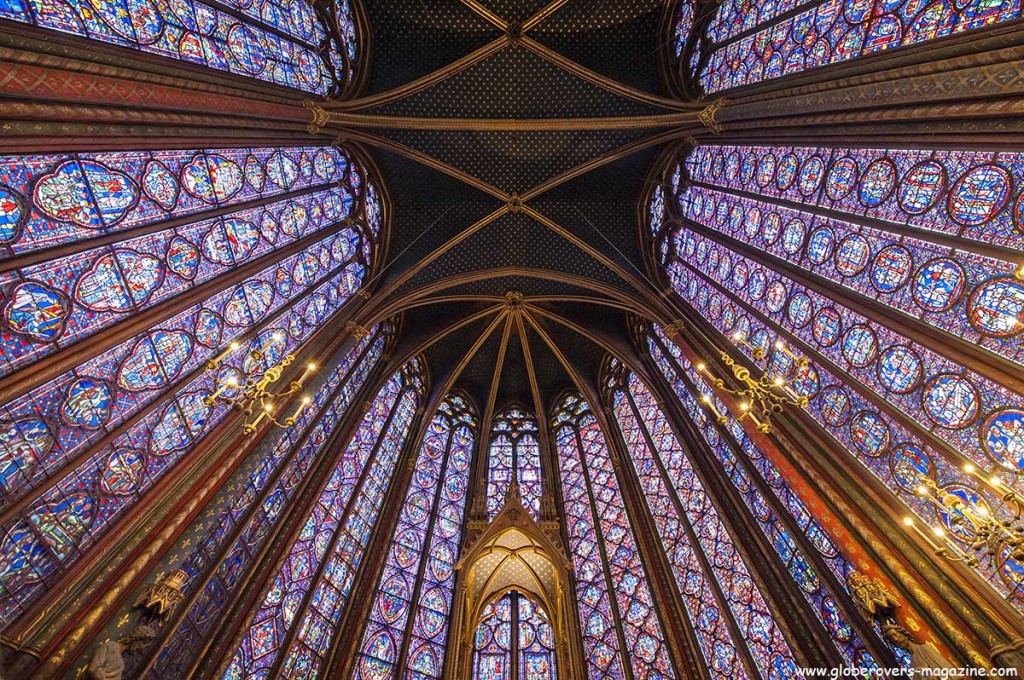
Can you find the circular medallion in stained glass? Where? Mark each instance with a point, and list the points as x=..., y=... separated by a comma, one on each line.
x=921, y=187
x=909, y=464
x=732, y=166
x=766, y=170
x=758, y=284
x=135, y=20
x=841, y=178
x=899, y=369
x=877, y=183
x=715, y=307
x=837, y=626
x=951, y=401
x=811, y=175
x=938, y=285
x=852, y=255
x=827, y=327
x=87, y=404
x=996, y=307
x=748, y=168
x=772, y=228
x=891, y=268
x=793, y=235
x=860, y=346
x=752, y=225
x=1003, y=437
x=870, y=433
x=800, y=310
x=834, y=405
x=775, y=297
x=735, y=217
x=979, y=195
x=820, y=245
x=740, y=275
x=121, y=472
x=786, y=174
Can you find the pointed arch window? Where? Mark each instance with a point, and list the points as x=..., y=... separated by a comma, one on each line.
x=903, y=405
x=619, y=619
x=514, y=458
x=725, y=605
x=412, y=608
x=821, y=593
x=67, y=200
x=87, y=444
x=751, y=42
x=514, y=641
x=255, y=509
x=291, y=631
x=291, y=43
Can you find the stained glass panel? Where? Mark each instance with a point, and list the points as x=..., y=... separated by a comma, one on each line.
x=758, y=41
x=248, y=519
x=616, y=596
x=514, y=458
x=413, y=593
x=277, y=42
x=687, y=511
x=333, y=536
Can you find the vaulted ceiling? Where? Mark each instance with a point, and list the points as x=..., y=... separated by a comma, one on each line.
x=515, y=138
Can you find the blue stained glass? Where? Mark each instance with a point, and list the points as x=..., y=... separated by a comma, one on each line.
x=278, y=45
x=605, y=596
x=514, y=457
x=751, y=44
x=347, y=504
x=440, y=479
x=296, y=450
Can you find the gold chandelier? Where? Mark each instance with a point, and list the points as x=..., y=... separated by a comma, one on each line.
x=996, y=533
x=764, y=397
x=253, y=394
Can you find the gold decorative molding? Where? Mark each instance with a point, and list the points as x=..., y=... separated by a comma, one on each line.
x=318, y=117
x=708, y=116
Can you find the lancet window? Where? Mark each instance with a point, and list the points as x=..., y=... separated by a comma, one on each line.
x=617, y=613
x=292, y=43
x=407, y=631
x=808, y=247
x=219, y=563
x=751, y=42
x=514, y=640
x=514, y=458
x=79, y=450
x=726, y=607
x=292, y=630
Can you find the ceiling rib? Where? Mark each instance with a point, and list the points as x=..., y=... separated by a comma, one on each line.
x=543, y=14
x=606, y=83
x=486, y=14
x=420, y=84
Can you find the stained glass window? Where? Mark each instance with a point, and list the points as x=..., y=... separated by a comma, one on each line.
x=706, y=563
x=612, y=591
x=757, y=41
x=869, y=222
x=514, y=458
x=414, y=592
x=737, y=452
x=65, y=200
x=285, y=42
x=83, y=447
x=514, y=641
x=309, y=591
x=246, y=521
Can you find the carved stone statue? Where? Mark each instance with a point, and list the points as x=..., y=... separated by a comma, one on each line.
x=106, y=662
